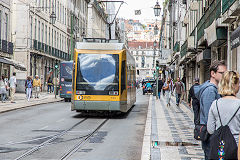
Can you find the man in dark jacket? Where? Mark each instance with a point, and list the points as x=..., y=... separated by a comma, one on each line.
x=160, y=85
x=195, y=102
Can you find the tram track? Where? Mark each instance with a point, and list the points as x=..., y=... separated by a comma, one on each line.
x=60, y=134
x=82, y=142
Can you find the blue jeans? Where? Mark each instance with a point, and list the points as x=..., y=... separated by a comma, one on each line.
x=159, y=93
x=206, y=148
x=178, y=96
x=3, y=95
x=49, y=88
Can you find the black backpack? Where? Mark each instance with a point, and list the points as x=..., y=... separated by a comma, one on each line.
x=222, y=143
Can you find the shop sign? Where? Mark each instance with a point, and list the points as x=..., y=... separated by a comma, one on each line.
x=235, y=38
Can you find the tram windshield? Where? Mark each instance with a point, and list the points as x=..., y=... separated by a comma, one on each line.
x=97, y=74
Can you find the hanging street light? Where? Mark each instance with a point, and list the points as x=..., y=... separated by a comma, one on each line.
x=157, y=9
x=53, y=17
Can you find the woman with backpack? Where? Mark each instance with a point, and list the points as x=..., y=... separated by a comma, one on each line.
x=29, y=85
x=224, y=119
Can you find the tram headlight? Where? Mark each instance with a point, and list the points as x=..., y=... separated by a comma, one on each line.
x=80, y=92
x=114, y=93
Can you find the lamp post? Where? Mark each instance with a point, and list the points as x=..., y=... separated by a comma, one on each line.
x=157, y=12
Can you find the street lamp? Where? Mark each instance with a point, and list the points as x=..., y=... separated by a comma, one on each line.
x=53, y=17
x=157, y=9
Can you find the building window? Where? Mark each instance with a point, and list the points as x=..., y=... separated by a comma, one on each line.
x=42, y=33
x=58, y=11
x=35, y=30
x=136, y=58
x=6, y=25
x=46, y=34
x=39, y=25
x=137, y=65
x=49, y=36
x=31, y=28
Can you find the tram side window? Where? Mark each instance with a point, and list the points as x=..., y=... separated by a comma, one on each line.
x=123, y=76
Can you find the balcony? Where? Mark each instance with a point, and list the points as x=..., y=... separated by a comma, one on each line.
x=50, y=50
x=46, y=48
x=10, y=47
x=4, y=46
x=35, y=43
x=183, y=51
x=176, y=47
x=43, y=47
x=213, y=12
x=53, y=51
x=39, y=46
x=226, y=4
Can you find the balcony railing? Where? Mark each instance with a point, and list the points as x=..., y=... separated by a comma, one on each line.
x=4, y=46
x=184, y=49
x=46, y=48
x=50, y=50
x=213, y=12
x=10, y=47
x=35, y=43
x=226, y=4
x=43, y=47
x=39, y=46
x=176, y=47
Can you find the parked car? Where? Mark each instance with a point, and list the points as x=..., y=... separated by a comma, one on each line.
x=147, y=89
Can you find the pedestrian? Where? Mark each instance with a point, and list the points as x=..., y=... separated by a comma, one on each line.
x=160, y=86
x=195, y=103
x=36, y=86
x=167, y=89
x=13, y=85
x=50, y=83
x=225, y=110
x=179, y=89
x=3, y=89
x=29, y=85
x=206, y=94
x=163, y=89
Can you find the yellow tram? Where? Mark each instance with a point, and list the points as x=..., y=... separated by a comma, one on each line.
x=104, y=78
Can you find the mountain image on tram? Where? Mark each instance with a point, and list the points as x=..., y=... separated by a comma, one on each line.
x=104, y=78
x=65, y=84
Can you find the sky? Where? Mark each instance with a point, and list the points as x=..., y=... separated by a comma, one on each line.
x=146, y=7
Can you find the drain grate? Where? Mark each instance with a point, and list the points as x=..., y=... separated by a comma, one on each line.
x=159, y=143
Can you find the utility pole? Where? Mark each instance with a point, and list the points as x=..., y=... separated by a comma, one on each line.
x=161, y=31
x=72, y=30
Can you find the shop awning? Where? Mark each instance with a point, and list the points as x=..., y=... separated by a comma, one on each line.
x=16, y=64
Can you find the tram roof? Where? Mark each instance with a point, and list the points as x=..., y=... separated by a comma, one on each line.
x=100, y=46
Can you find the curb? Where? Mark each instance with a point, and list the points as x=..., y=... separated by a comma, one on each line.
x=146, y=146
x=31, y=105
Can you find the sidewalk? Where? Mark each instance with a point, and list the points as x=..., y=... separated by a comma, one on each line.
x=169, y=132
x=21, y=101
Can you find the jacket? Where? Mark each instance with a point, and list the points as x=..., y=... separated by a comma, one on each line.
x=36, y=83
x=206, y=94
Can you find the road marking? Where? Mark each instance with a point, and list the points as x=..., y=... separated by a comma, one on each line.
x=60, y=120
x=43, y=127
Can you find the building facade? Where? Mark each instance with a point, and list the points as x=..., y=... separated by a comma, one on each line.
x=40, y=44
x=211, y=32
x=6, y=44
